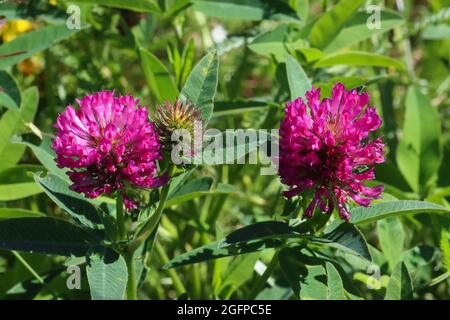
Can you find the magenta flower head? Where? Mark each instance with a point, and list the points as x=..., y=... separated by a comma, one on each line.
x=325, y=149
x=108, y=144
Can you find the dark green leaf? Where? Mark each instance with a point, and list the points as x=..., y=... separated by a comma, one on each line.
x=9, y=92
x=75, y=204
x=45, y=235
x=348, y=238
x=256, y=237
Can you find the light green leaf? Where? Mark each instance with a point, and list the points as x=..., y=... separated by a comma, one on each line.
x=15, y=183
x=436, y=32
x=445, y=249
x=356, y=29
x=400, y=285
x=134, y=5
x=13, y=121
x=299, y=83
x=201, y=85
x=32, y=42
x=271, y=43
x=335, y=286
x=419, y=154
x=392, y=239
x=44, y=154
x=327, y=27
x=158, y=78
x=45, y=235
x=11, y=213
x=358, y=58
x=246, y=9
x=197, y=188
x=382, y=210
x=107, y=275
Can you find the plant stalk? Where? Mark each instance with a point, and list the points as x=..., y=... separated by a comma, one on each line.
x=120, y=217
x=132, y=281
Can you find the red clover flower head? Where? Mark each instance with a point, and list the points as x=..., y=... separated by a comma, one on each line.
x=325, y=148
x=108, y=144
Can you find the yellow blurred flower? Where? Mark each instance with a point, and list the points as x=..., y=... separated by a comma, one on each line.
x=53, y=2
x=13, y=28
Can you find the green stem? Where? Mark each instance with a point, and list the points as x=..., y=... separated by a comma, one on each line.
x=260, y=284
x=179, y=287
x=148, y=228
x=132, y=283
x=120, y=217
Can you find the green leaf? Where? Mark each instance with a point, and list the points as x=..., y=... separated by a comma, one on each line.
x=32, y=42
x=135, y=5
x=382, y=210
x=12, y=213
x=356, y=29
x=13, y=121
x=445, y=249
x=230, y=108
x=44, y=154
x=419, y=153
x=358, y=58
x=297, y=78
x=107, y=275
x=252, y=238
x=307, y=278
x=45, y=235
x=271, y=43
x=392, y=239
x=158, y=78
x=327, y=27
x=9, y=91
x=75, y=204
x=15, y=183
x=28, y=289
x=197, y=188
x=436, y=32
x=275, y=293
x=201, y=85
x=246, y=9
x=348, y=238
x=400, y=285
x=239, y=271
x=335, y=286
